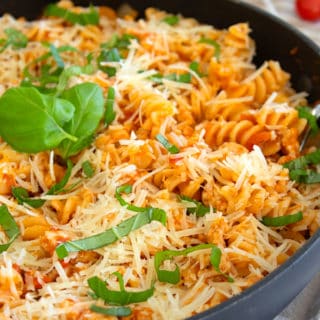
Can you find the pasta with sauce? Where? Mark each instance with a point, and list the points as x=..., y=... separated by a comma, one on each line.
x=189, y=156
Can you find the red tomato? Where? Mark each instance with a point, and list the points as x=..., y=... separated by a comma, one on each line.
x=308, y=9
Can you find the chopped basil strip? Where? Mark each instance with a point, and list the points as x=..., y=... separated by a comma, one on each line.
x=121, y=297
x=113, y=234
x=111, y=55
x=183, y=78
x=194, y=66
x=215, y=44
x=170, y=147
x=283, y=220
x=299, y=171
x=126, y=188
x=87, y=169
x=194, y=206
x=116, y=41
x=113, y=311
x=59, y=187
x=56, y=56
x=15, y=38
x=85, y=18
x=110, y=114
x=22, y=197
x=9, y=226
x=173, y=277
x=305, y=112
x=171, y=20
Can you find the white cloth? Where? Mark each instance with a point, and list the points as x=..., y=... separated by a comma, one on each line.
x=306, y=306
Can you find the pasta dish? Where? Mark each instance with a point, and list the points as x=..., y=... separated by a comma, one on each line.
x=148, y=168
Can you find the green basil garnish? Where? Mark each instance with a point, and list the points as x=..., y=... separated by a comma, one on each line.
x=9, y=226
x=113, y=234
x=173, y=277
x=305, y=112
x=87, y=169
x=121, y=297
x=111, y=55
x=59, y=187
x=22, y=197
x=88, y=101
x=91, y=17
x=196, y=207
x=15, y=38
x=113, y=311
x=119, y=42
x=282, y=220
x=110, y=114
x=39, y=129
x=299, y=168
x=213, y=43
x=171, y=20
x=170, y=147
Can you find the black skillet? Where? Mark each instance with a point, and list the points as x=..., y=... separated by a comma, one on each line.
x=298, y=55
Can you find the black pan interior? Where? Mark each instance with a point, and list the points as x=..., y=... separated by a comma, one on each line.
x=298, y=55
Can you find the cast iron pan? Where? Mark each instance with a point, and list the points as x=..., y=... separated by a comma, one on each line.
x=298, y=55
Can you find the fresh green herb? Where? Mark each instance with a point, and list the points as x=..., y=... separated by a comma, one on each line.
x=67, y=73
x=113, y=234
x=89, y=107
x=213, y=43
x=15, y=38
x=87, y=169
x=170, y=147
x=111, y=55
x=173, y=277
x=114, y=311
x=126, y=188
x=22, y=196
x=9, y=226
x=194, y=206
x=116, y=41
x=298, y=168
x=171, y=20
x=121, y=297
x=48, y=73
x=195, y=67
x=183, y=78
x=91, y=17
x=56, y=56
x=39, y=129
x=305, y=112
x=59, y=187
x=110, y=114
x=283, y=220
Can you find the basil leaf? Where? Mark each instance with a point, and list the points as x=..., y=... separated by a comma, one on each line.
x=113, y=234
x=91, y=17
x=126, y=188
x=215, y=44
x=111, y=55
x=15, y=38
x=59, y=187
x=32, y=122
x=283, y=220
x=115, y=311
x=198, y=208
x=116, y=41
x=171, y=20
x=56, y=56
x=173, y=277
x=305, y=112
x=110, y=114
x=171, y=148
x=121, y=297
x=9, y=226
x=67, y=73
x=298, y=168
x=22, y=197
x=89, y=107
x=87, y=169
x=183, y=78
